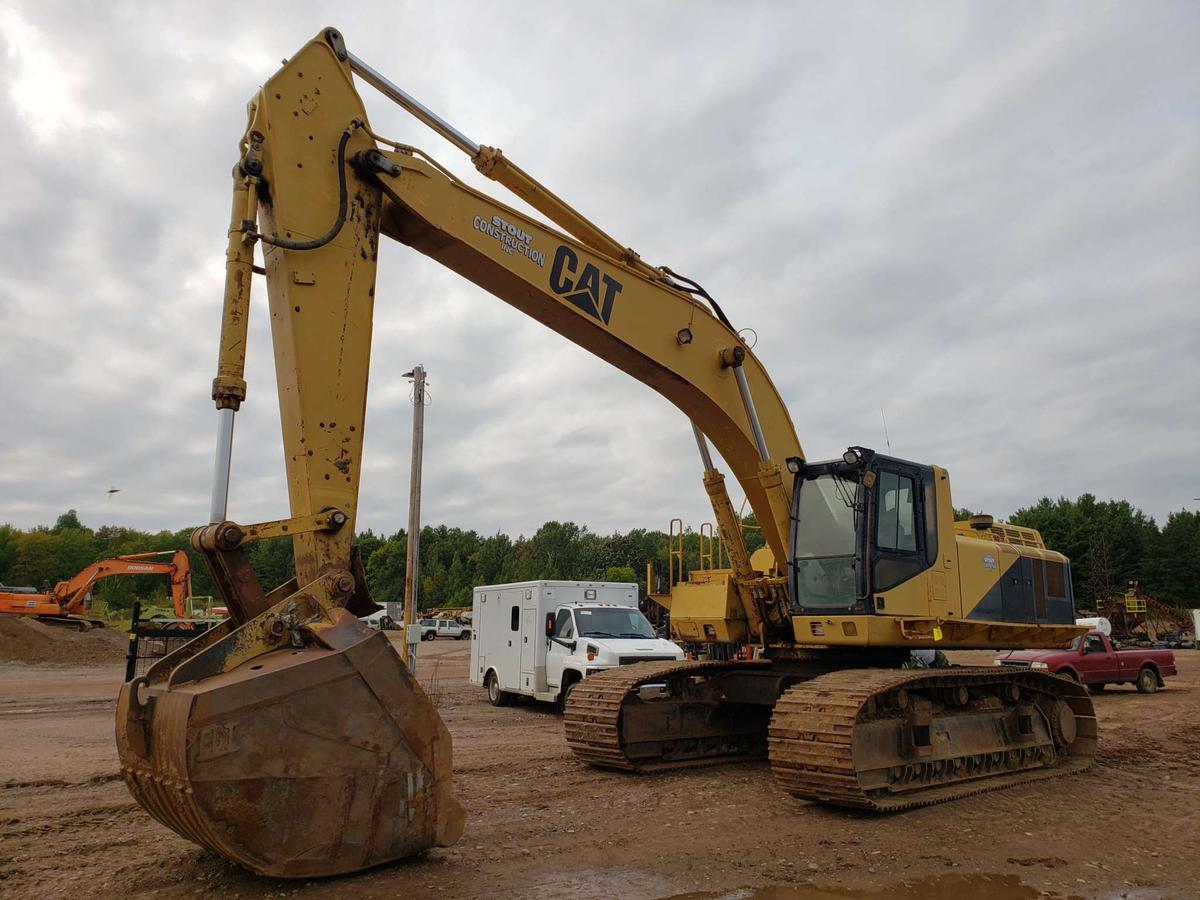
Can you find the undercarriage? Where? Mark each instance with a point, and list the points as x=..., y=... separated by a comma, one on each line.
x=873, y=738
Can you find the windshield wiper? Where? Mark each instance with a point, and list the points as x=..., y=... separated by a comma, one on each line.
x=839, y=485
x=598, y=634
x=634, y=634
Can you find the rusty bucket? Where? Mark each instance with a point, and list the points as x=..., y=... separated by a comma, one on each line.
x=297, y=745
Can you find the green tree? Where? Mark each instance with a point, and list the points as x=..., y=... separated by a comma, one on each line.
x=385, y=569
x=1108, y=542
x=1177, y=570
x=10, y=544
x=36, y=564
x=368, y=542
x=619, y=573
x=68, y=521
x=272, y=561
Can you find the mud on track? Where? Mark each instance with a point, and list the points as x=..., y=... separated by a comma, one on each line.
x=540, y=824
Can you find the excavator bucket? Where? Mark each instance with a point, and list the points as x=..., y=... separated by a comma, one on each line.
x=297, y=745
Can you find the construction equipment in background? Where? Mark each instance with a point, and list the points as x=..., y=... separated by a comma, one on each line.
x=293, y=740
x=460, y=614
x=1137, y=617
x=70, y=601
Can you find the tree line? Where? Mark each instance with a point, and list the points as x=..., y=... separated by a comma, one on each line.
x=452, y=560
x=1109, y=544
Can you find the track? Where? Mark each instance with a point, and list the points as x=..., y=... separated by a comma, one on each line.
x=847, y=738
x=602, y=709
x=879, y=739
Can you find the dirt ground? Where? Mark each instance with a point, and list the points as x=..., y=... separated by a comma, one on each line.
x=540, y=824
x=26, y=640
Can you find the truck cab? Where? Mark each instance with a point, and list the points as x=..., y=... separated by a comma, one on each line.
x=584, y=639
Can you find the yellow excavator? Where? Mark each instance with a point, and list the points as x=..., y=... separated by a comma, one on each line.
x=293, y=740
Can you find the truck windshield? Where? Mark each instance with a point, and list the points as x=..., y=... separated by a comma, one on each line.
x=825, y=541
x=612, y=622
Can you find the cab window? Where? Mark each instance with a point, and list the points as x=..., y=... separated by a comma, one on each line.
x=563, y=626
x=1094, y=644
x=895, y=529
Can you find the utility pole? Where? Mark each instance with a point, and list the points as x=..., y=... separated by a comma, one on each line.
x=412, y=571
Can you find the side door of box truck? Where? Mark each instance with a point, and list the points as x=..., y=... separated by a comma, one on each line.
x=507, y=645
x=478, y=652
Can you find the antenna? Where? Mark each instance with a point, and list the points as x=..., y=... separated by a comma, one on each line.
x=886, y=439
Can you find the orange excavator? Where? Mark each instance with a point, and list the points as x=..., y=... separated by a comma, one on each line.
x=69, y=602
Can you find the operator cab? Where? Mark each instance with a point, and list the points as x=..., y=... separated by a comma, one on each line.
x=861, y=525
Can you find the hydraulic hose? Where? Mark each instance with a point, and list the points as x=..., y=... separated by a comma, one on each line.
x=695, y=288
x=285, y=244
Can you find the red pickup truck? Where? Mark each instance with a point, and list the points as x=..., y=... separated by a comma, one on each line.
x=1092, y=660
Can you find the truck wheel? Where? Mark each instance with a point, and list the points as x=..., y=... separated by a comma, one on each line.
x=565, y=696
x=496, y=697
x=1147, y=682
x=1069, y=675
x=460, y=635
x=429, y=636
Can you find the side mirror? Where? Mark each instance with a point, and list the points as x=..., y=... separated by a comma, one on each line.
x=549, y=624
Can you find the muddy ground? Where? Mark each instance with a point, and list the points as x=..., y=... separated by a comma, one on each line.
x=540, y=824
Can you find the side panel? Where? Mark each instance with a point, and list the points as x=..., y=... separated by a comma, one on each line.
x=945, y=570
x=478, y=658
x=1003, y=584
x=479, y=609
x=533, y=676
x=1016, y=592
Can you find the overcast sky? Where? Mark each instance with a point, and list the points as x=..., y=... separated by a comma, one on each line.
x=981, y=218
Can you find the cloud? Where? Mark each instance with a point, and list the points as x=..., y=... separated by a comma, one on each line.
x=980, y=220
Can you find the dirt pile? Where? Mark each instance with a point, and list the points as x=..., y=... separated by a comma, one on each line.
x=26, y=640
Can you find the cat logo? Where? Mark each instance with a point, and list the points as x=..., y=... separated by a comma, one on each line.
x=593, y=292
x=214, y=741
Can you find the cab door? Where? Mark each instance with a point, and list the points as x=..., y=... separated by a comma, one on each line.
x=1100, y=663
x=904, y=540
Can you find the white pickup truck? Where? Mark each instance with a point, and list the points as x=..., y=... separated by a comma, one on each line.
x=432, y=629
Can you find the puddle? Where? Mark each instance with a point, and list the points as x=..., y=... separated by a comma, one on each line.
x=936, y=887
x=590, y=884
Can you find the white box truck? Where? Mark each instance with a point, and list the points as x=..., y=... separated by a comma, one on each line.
x=540, y=638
